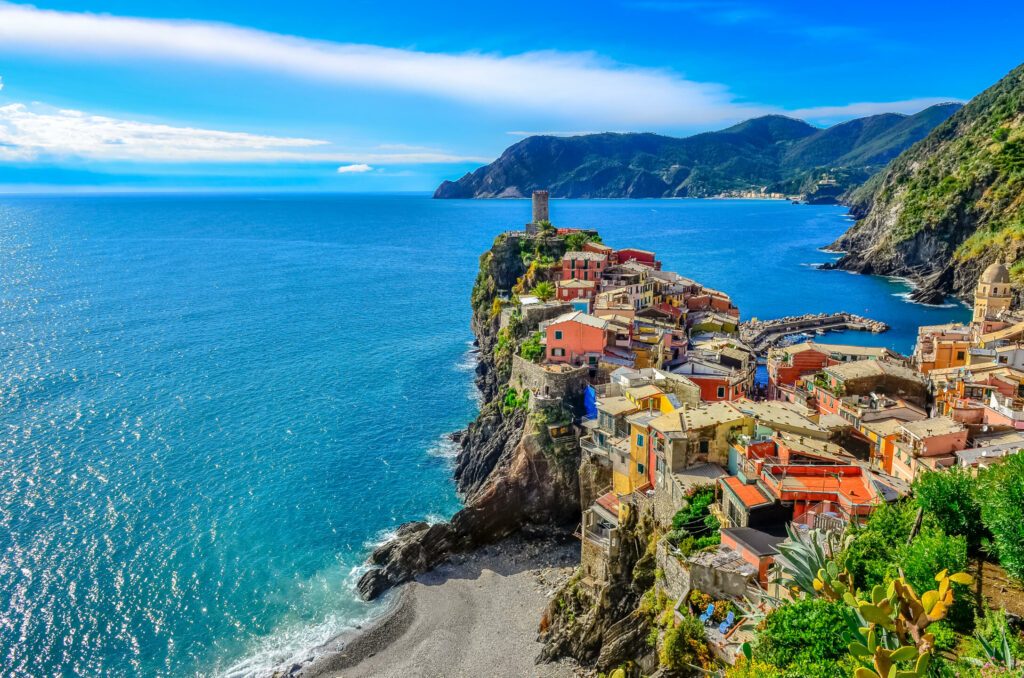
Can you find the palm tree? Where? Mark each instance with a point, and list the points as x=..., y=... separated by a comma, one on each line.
x=544, y=291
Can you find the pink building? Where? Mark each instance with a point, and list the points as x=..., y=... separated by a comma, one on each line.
x=571, y=290
x=576, y=338
x=641, y=256
x=928, y=444
x=583, y=265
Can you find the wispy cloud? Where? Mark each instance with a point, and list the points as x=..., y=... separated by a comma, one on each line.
x=856, y=110
x=358, y=168
x=578, y=86
x=31, y=132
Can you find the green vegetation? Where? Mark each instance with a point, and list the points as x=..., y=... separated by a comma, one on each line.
x=961, y=186
x=514, y=400
x=684, y=645
x=803, y=638
x=1002, y=511
x=575, y=241
x=532, y=349
x=693, y=526
x=951, y=499
x=544, y=290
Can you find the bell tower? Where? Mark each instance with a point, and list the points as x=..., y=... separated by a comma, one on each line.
x=993, y=294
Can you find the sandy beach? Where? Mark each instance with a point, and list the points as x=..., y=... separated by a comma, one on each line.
x=474, y=616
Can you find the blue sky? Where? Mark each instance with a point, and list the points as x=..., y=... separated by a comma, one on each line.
x=395, y=96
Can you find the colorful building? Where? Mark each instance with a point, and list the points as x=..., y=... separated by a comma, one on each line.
x=583, y=265
x=576, y=338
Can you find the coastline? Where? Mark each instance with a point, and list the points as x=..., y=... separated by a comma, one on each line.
x=475, y=615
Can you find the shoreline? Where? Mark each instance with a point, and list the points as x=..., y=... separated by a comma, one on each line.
x=476, y=614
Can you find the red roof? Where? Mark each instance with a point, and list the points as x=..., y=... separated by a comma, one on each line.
x=750, y=495
x=609, y=502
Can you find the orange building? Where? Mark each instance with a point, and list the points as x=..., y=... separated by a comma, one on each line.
x=576, y=338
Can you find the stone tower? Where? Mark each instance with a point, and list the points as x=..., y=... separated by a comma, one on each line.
x=540, y=206
x=993, y=293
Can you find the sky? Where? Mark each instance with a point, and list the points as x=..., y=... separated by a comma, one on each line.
x=398, y=96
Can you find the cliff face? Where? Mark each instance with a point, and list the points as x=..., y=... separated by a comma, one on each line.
x=780, y=153
x=950, y=205
x=605, y=627
x=510, y=474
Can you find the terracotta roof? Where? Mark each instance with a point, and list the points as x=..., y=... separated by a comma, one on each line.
x=609, y=502
x=750, y=495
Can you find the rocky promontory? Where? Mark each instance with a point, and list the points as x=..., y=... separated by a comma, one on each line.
x=510, y=474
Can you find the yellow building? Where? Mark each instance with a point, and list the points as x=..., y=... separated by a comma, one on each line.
x=993, y=294
x=650, y=403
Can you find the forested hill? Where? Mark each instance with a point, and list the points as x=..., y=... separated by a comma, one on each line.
x=952, y=204
x=774, y=153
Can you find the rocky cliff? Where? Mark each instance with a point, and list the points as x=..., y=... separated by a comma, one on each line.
x=779, y=153
x=511, y=475
x=951, y=204
x=606, y=626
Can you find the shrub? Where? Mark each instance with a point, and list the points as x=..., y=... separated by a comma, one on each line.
x=684, y=645
x=804, y=633
x=870, y=554
x=532, y=349
x=945, y=637
x=1002, y=511
x=951, y=499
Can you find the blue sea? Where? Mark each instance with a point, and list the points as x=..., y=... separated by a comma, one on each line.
x=212, y=407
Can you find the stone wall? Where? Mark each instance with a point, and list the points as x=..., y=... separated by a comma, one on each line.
x=535, y=314
x=675, y=579
x=564, y=383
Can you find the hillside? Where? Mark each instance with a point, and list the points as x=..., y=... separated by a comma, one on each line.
x=951, y=204
x=773, y=152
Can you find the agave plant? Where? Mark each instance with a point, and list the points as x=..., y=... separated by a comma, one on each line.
x=997, y=653
x=806, y=566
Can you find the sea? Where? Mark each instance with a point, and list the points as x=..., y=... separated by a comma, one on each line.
x=212, y=407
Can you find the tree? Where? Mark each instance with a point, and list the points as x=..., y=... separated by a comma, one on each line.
x=544, y=290
x=951, y=498
x=1002, y=511
x=575, y=241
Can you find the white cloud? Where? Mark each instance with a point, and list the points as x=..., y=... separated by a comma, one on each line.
x=28, y=132
x=857, y=110
x=580, y=86
x=358, y=168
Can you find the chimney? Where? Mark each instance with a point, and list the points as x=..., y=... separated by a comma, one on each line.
x=540, y=206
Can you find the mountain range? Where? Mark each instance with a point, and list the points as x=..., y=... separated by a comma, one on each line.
x=773, y=153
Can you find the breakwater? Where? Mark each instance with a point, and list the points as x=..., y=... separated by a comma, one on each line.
x=762, y=334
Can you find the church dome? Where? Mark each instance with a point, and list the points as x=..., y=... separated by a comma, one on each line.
x=996, y=273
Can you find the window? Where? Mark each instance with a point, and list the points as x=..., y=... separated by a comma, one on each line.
x=705, y=446
x=639, y=439
x=721, y=391
x=640, y=469
x=558, y=334
x=959, y=355
x=592, y=360
x=558, y=352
